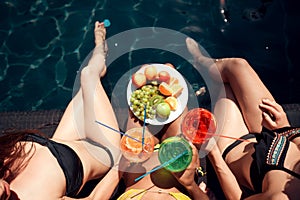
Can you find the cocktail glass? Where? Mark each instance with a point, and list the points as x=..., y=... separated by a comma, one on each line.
x=175, y=153
x=132, y=147
x=199, y=125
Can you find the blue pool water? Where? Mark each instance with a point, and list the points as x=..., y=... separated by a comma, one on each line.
x=44, y=42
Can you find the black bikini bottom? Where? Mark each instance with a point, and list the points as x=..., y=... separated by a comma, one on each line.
x=67, y=159
x=270, y=153
x=237, y=142
x=288, y=132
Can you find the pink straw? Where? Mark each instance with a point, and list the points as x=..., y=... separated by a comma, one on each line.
x=229, y=137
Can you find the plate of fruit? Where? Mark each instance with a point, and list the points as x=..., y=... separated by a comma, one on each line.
x=158, y=93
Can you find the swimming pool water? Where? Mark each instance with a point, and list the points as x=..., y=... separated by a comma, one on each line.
x=43, y=43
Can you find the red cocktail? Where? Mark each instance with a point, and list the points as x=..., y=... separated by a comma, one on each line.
x=199, y=125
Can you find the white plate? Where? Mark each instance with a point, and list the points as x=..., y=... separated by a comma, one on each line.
x=182, y=99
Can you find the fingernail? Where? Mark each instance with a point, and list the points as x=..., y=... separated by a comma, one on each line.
x=264, y=114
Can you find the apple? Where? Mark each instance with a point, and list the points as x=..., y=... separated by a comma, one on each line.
x=150, y=72
x=164, y=76
x=163, y=110
x=138, y=79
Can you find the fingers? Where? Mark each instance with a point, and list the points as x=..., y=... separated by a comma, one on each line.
x=271, y=108
x=4, y=190
x=271, y=105
x=195, y=158
x=268, y=121
x=274, y=116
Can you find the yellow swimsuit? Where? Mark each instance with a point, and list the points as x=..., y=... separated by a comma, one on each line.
x=138, y=194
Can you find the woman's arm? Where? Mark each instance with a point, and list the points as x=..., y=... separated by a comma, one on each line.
x=186, y=178
x=105, y=188
x=226, y=178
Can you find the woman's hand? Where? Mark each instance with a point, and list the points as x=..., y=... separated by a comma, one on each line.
x=4, y=190
x=274, y=116
x=186, y=177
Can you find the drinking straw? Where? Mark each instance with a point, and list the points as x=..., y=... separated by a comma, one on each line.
x=106, y=23
x=161, y=166
x=229, y=137
x=120, y=132
x=144, y=125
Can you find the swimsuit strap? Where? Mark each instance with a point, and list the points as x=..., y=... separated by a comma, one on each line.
x=132, y=193
x=291, y=133
x=235, y=143
x=104, y=148
x=277, y=151
x=179, y=195
x=138, y=194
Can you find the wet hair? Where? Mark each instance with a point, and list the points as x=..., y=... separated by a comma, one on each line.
x=13, y=150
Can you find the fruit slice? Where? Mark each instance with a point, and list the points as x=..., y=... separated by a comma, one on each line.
x=173, y=81
x=172, y=101
x=133, y=145
x=156, y=99
x=176, y=90
x=165, y=89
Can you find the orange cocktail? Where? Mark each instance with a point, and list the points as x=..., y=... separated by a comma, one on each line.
x=132, y=148
x=199, y=125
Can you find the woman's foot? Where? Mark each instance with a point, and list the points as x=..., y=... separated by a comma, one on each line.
x=100, y=34
x=100, y=44
x=199, y=58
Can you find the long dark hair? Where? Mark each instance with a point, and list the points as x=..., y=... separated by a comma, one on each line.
x=11, y=151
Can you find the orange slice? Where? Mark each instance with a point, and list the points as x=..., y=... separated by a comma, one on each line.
x=177, y=89
x=133, y=145
x=173, y=81
x=172, y=101
x=165, y=89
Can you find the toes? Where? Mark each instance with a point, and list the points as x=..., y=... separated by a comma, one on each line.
x=100, y=32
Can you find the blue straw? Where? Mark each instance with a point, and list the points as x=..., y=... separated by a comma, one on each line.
x=120, y=132
x=144, y=125
x=161, y=166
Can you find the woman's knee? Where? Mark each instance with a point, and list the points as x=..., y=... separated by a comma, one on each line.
x=235, y=66
x=88, y=75
x=238, y=64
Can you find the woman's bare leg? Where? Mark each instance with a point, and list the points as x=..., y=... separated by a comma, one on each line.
x=247, y=87
x=91, y=103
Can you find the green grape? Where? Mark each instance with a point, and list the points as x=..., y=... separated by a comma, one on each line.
x=144, y=96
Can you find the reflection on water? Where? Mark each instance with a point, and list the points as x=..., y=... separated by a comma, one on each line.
x=43, y=43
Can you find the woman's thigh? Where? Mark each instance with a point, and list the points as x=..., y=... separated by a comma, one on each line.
x=229, y=118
